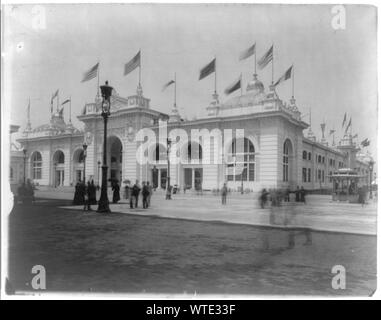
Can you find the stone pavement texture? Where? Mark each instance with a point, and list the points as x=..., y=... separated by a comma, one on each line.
x=319, y=214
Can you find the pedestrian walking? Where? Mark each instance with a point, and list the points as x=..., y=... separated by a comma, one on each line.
x=93, y=193
x=116, y=194
x=297, y=194
x=302, y=195
x=224, y=192
x=263, y=198
x=87, y=197
x=145, y=194
x=135, y=195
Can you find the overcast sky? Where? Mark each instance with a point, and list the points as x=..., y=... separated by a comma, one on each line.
x=335, y=70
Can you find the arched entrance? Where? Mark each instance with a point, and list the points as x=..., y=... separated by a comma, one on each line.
x=159, y=170
x=78, y=164
x=58, y=168
x=115, y=158
x=191, y=159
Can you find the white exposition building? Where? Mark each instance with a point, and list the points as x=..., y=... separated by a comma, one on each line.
x=275, y=152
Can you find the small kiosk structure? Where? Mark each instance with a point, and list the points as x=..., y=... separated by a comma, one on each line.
x=347, y=185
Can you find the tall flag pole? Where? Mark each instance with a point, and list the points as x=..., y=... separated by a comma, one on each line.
x=215, y=76
x=28, y=125
x=70, y=105
x=293, y=79
x=175, y=89
x=272, y=66
x=140, y=70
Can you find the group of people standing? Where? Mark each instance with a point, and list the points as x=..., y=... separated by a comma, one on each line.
x=132, y=193
x=85, y=194
x=276, y=196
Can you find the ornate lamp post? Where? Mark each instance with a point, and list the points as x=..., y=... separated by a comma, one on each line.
x=168, y=193
x=24, y=150
x=86, y=142
x=103, y=203
x=99, y=167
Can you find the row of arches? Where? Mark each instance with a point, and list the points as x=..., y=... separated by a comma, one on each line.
x=240, y=158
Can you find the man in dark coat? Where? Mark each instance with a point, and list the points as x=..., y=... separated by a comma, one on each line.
x=297, y=194
x=224, y=192
x=116, y=194
x=93, y=193
x=135, y=195
x=302, y=195
x=76, y=200
x=88, y=191
x=145, y=194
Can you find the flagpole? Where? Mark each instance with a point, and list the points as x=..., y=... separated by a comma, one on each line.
x=215, y=75
x=140, y=68
x=97, y=82
x=272, y=67
x=240, y=83
x=255, y=60
x=175, y=88
x=58, y=99
x=70, y=110
x=293, y=75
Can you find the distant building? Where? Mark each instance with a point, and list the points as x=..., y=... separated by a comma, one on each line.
x=275, y=151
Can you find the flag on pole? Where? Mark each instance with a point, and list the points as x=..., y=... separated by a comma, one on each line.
x=91, y=73
x=208, y=69
x=344, y=120
x=247, y=53
x=66, y=101
x=132, y=64
x=355, y=136
x=332, y=131
x=55, y=95
x=286, y=76
x=365, y=142
x=168, y=84
x=267, y=57
x=234, y=86
x=349, y=124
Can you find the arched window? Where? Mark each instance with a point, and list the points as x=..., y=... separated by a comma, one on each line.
x=160, y=152
x=241, y=161
x=194, y=153
x=304, y=155
x=60, y=157
x=36, y=165
x=286, y=159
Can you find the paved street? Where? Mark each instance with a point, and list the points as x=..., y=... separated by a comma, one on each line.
x=320, y=213
x=136, y=253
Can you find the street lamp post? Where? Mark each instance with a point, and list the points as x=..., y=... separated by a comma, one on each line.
x=24, y=150
x=103, y=203
x=86, y=143
x=168, y=193
x=99, y=167
x=84, y=161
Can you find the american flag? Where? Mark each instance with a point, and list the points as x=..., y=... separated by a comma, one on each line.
x=247, y=53
x=90, y=74
x=132, y=64
x=264, y=61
